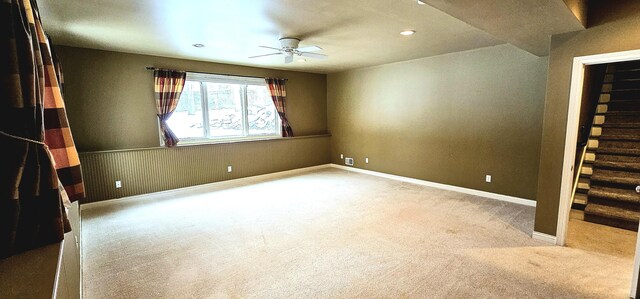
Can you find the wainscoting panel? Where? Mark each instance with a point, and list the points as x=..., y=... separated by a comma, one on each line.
x=157, y=169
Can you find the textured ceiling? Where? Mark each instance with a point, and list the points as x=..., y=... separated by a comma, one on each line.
x=527, y=24
x=354, y=33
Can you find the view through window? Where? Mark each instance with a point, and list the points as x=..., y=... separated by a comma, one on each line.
x=215, y=107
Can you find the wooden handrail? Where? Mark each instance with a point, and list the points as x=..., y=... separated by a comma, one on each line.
x=578, y=172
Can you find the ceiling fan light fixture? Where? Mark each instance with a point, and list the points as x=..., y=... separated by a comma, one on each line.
x=407, y=32
x=291, y=52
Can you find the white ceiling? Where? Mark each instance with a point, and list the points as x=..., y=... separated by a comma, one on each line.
x=527, y=24
x=354, y=33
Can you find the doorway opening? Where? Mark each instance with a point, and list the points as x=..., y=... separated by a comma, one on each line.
x=576, y=175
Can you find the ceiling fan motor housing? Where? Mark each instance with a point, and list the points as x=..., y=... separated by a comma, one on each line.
x=289, y=42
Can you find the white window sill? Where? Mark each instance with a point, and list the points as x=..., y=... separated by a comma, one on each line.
x=213, y=142
x=191, y=142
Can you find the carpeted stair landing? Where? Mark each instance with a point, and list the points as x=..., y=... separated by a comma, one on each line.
x=612, y=167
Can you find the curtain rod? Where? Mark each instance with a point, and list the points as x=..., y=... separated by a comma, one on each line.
x=151, y=68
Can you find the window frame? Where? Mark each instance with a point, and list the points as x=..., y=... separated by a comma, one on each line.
x=244, y=82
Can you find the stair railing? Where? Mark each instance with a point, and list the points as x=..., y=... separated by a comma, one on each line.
x=578, y=172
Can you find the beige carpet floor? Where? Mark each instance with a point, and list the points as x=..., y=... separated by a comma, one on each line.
x=600, y=238
x=332, y=234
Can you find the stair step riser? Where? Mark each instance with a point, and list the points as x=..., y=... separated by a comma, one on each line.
x=629, y=206
x=619, y=95
x=619, y=138
x=622, y=118
x=626, y=84
x=624, y=167
x=625, y=188
x=628, y=225
x=610, y=187
x=598, y=172
x=613, y=151
x=621, y=152
x=623, y=66
x=615, y=158
x=619, y=144
x=625, y=75
x=624, y=106
x=620, y=131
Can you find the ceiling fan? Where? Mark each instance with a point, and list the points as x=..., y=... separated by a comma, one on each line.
x=289, y=48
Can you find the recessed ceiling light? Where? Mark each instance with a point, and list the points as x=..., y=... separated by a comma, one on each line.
x=408, y=32
x=198, y=45
x=421, y=2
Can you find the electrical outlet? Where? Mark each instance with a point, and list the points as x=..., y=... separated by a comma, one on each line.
x=341, y=156
x=366, y=160
x=348, y=161
x=488, y=178
x=229, y=168
x=118, y=184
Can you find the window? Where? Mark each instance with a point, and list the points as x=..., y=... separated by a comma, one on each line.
x=215, y=107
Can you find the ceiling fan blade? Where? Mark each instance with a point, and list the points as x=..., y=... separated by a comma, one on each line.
x=313, y=55
x=288, y=59
x=310, y=49
x=266, y=55
x=272, y=48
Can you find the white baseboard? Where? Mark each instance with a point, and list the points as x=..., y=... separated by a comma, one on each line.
x=544, y=237
x=496, y=196
x=205, y=186
x=518, y=200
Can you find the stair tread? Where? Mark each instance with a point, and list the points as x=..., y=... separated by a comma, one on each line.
x=620, y=101
x=625, y=65
x=625, y=89
x=619, y=137
x=619, y=151
x=621, y=113
x=617, y=165
x=624, y=80
x=612, y=212
x=617, y=158
x=618, y=173
x=614, y=194
x=611, y=199
x=615, y=180
x=622, y=125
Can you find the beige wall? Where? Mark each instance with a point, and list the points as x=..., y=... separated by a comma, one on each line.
x=151, y=170
x=449, y=119
x=109, y=96
x=616, y=30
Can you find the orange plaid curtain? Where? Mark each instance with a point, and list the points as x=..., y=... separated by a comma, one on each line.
x=167, y=89
x=40, y=166
x=278, y=92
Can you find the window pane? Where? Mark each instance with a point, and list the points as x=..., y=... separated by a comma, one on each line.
x=186, y=121
x=225, y=109
x=262, y=113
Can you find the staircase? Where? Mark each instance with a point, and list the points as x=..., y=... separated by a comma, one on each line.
x=611, y=168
